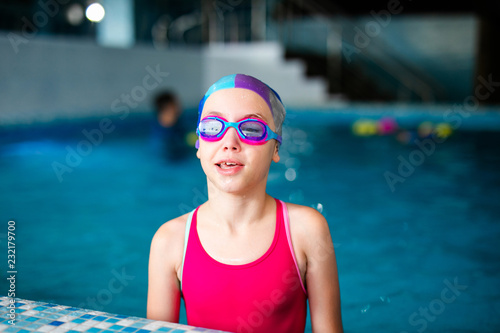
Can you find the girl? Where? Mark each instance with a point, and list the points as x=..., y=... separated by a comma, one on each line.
x=244, y=261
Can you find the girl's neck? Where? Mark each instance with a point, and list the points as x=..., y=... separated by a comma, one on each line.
x=236, y=210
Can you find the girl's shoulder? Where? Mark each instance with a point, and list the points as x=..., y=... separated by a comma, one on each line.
x=307, y=225
x=170, y=235
x=309, y=216
x=174, y=225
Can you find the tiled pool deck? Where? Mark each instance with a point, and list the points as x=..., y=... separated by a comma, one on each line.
x=31, y=316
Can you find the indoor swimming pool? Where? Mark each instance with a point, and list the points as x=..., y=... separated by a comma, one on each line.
x=415, y=226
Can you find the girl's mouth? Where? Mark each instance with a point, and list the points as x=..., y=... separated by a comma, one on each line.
x=228, y=165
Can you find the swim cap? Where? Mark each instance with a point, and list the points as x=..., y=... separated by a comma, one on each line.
x=245, y=82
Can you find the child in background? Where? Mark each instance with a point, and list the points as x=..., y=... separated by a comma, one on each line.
x=168, y=132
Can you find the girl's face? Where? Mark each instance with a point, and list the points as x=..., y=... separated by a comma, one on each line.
x=231, y=165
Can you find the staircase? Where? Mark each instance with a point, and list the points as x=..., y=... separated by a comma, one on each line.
x=266, y=61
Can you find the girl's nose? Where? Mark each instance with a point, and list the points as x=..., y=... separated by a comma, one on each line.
x=231, y=140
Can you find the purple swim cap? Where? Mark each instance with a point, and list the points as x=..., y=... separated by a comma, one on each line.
x=239, y=81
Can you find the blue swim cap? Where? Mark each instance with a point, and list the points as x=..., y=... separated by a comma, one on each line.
x=245, y=82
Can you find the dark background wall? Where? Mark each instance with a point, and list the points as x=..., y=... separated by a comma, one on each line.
x=368, y=78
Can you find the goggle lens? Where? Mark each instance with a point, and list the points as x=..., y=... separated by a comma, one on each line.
x=253, y=130
x=210, y=128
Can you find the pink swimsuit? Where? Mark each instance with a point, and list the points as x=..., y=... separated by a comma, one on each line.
x=266, y=295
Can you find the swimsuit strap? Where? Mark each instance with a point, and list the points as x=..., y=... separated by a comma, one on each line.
x=286, y=221
x=186, y=237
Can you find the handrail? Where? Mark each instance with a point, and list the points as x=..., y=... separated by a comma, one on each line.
x=392, y=67
x=420, y=85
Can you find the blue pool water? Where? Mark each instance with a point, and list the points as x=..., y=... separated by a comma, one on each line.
x=420, y=256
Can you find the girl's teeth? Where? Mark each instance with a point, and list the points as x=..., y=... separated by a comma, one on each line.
x=225, y=165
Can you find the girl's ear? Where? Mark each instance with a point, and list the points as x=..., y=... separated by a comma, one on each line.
x=276, y=156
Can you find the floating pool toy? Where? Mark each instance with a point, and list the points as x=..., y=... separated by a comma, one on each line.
x=387, y=125
x=364, y=127
x=425, y=129
x=443, y=130
x=406, y=137
x=191, y=138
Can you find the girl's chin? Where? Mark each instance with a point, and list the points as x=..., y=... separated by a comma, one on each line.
x=230, y=185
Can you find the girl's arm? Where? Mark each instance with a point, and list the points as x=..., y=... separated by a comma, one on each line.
x=164, y=297
x=322, y=280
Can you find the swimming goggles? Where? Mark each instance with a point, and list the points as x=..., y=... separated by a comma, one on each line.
x=250, y=130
